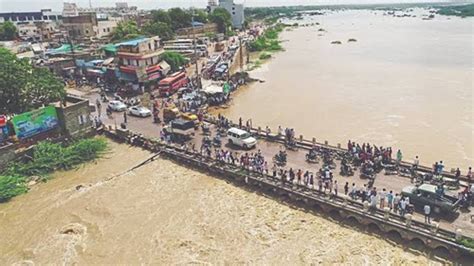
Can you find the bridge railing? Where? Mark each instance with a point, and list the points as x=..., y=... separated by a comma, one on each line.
x=308, y=144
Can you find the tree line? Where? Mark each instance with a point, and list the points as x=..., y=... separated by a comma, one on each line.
x=164, y=23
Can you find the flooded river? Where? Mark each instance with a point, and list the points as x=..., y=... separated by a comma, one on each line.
x=406, y=83
x=163, y=213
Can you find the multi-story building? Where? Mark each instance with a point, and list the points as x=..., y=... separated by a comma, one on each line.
x=81, y=26
x=106, y=27
x=70, y=10
x=236, y=11
x=45, y=15
x=139, y=59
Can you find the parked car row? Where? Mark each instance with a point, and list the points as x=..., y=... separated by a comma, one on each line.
x=138, y=110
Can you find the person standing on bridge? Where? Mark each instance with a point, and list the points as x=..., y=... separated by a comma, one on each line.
x=416, y=162
x=399, y=156
x=469, y=175
x=427, y=211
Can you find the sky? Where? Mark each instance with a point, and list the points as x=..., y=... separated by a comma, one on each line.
x=56, y=5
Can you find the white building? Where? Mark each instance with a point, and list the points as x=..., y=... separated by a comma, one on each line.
x=70, y=10
x=235, y=10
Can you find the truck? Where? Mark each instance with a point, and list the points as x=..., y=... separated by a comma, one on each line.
x=427, y=194
x=180, y=129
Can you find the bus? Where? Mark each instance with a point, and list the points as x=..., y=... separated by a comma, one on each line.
x=183, y=42
x=173, y=83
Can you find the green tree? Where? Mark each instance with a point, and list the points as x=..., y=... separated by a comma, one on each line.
x=179, y=18
x=222, y=18
x=175, y=60
x=159, y=28
x=125, y=30
x=8, y=31
x=200, y=16
x=161, y=16
x=23, y=87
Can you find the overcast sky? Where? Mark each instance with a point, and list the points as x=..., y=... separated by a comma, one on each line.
x=36, y=5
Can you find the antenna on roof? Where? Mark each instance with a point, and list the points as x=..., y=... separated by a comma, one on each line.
x=90, y=3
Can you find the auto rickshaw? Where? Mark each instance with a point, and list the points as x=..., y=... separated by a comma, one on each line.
x=170, y=113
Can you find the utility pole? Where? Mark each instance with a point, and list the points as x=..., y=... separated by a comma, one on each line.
x=198, y=78
x=241, y=54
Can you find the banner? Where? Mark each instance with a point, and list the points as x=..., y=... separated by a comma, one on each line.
x=38, y=121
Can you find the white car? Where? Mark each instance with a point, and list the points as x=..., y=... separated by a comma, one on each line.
x=139, y=111
x=117, y=106
x=241, y=138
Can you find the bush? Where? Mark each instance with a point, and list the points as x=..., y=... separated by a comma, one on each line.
x=48, y=157
x=11, y=186
x=467, y=242
x=264, y=56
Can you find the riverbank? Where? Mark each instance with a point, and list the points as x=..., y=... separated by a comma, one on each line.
x=45, y=158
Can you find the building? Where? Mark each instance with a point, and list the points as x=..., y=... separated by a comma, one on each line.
x=81, y=26
x=236, y=11
x=74, y=116
x=45, y=15
x=120, y=10
x=70, y=10
x=140, y=60
x=106, y=27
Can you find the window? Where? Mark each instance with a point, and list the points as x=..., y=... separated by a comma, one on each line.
x=87, y=31
x=45, y=17
x=82, y=119
x=149, y=46
x=233, y=13
x=233, y=8
x=108, y=29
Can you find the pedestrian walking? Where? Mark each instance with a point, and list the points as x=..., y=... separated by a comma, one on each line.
x=427, y=211
x=346, y=188
x=125, y=117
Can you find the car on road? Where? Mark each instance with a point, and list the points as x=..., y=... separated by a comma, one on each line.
x=241, y=138
x=117, y=106
x=139, y=111
x=427, y=194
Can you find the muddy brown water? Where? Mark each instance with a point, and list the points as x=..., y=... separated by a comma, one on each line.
x=164, y=213
x=406, y=83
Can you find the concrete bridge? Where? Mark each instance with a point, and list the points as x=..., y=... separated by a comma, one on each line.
x=340, y=207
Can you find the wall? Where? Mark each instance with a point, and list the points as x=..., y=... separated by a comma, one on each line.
x=7, y=153
x=105, y=28
x=74, y=118
x=199, y=31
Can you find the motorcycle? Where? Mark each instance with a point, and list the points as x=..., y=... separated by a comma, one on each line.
x=346, y=170
x=311, y=157
x=291, y=145
x=280, y=158
x=216, y=141
x=390, y=169
x=328, y=161
x=367, y=172
x=206, y=130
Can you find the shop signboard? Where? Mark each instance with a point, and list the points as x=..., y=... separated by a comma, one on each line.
x=35, y=122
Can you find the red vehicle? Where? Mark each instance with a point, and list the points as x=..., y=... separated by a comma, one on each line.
x=173, y=83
